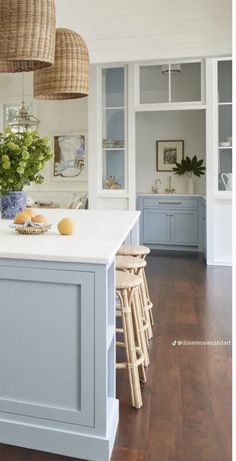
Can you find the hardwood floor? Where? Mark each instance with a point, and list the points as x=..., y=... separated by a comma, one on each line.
x=186, y=414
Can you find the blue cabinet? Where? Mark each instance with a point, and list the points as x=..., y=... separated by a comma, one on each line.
x=172, y=222
x=156, y=226
x=184, y=227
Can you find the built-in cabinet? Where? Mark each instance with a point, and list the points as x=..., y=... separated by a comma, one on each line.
x=219, y=160
x=173, y=222
x=224, y=128
x=117, y=94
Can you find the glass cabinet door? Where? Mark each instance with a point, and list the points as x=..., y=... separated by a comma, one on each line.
x=113, y=128
x=224, y=125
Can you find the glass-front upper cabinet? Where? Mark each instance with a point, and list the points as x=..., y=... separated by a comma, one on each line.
x=170, y=83
x=224, y=107
x=113, y=128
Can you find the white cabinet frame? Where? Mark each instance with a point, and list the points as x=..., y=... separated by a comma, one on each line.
x=139, y=107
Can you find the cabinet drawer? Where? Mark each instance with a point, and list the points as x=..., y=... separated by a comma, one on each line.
x=155, y=202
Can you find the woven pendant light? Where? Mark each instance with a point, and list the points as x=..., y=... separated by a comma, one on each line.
x=27, y=34
x=68, y=77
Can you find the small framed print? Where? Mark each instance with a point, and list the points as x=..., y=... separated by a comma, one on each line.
x=168, y=153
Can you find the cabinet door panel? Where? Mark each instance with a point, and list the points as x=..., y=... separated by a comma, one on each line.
x=184, y=227
x=156, y=226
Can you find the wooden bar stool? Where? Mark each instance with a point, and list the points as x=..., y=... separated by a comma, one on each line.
x=126, y=288
x=136, y=266
x=139, y=251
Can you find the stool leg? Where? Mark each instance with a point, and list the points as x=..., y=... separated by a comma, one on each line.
x=148, y=297
x=131, y=352
x=139, y=321
x=145, y=306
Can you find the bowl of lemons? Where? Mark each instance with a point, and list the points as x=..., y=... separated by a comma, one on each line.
x=28, y=223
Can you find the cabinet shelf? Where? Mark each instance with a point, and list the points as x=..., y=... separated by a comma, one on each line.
x=114, y=108
x=113, y=148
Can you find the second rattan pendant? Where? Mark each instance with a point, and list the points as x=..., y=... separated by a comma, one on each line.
x=68, y=77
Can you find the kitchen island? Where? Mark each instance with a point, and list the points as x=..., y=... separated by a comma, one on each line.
x=57, y=334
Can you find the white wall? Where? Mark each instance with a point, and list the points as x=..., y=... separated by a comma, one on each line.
x=166, y=125
x=117, y=31
x=57, y=117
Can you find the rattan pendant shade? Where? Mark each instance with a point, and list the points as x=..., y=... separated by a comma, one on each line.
x=27, y=34
x=68, y=77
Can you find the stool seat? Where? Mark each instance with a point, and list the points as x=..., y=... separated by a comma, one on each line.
x=133, y=250
x=125, y=280
x=129, y=263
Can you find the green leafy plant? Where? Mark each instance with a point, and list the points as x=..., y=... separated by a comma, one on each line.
x=190, y=166
x=22, y=156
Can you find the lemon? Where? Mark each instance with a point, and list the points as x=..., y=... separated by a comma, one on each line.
x=39, y=219
x=22, y=217
x=29, y=212
x=66, y=226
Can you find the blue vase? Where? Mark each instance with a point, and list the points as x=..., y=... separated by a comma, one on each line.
x=12, y=203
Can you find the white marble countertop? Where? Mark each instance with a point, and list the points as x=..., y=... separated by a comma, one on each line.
x=98, y=236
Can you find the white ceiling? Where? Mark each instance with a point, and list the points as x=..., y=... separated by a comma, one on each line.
x=126, y=30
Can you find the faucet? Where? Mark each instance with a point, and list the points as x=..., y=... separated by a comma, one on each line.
x=155, y=188
x=169, y=189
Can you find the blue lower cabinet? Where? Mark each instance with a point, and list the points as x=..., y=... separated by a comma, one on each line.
x=156, y=226
x=171, y=222
x=184, y=227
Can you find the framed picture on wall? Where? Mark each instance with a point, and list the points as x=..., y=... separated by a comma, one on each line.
x=168, y=153
x=70, y=156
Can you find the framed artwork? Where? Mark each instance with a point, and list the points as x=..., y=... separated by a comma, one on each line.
x=168, y=153
x=70, y=156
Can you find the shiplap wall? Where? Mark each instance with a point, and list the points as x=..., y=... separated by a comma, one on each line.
x=121, y=30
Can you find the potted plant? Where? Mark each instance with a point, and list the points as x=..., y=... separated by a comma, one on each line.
x=22, y=156
x=190, y=167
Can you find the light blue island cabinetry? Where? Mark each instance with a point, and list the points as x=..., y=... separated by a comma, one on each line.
x=172, y=222
x=57, y=334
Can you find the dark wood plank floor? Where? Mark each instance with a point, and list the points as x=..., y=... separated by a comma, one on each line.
x=186, y=414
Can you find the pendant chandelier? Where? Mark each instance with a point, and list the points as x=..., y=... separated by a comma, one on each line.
x=27, y=36
x=24, y=120
x=68, y=77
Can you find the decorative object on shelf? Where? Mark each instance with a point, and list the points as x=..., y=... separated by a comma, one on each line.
x=227, y=180
x=168, y=153
x=68, y=77
x=155, y=188
x=113, y=144
x=226, y=143
x=23, y=119
x=169, y=189
x=22, y=157
x=111, y=183
x=190, y=167
x=27, y=39
x=70, y=156
x=174, y=69
x=46, y=204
